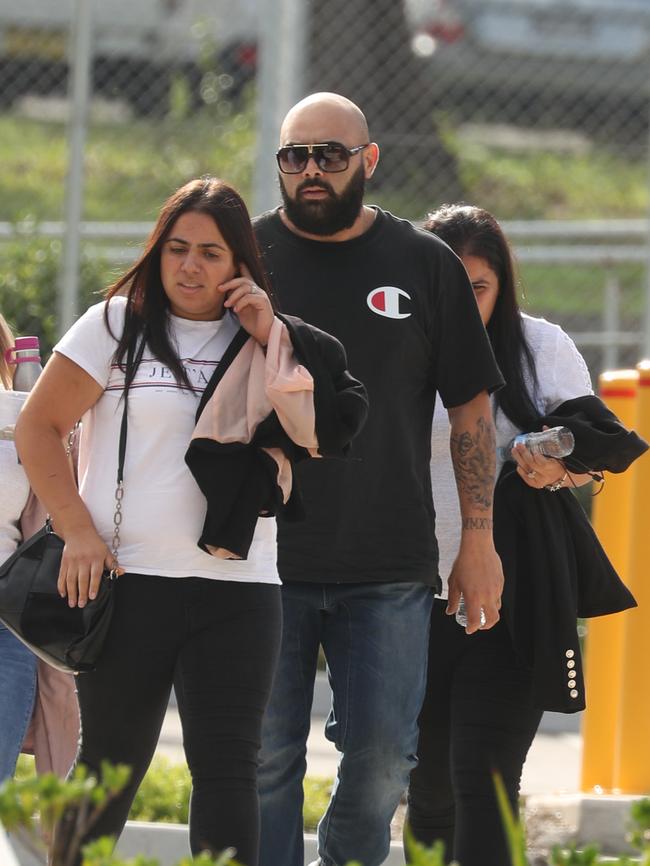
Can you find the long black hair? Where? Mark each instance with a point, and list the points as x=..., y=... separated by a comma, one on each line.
x=472, y=231
x=147, y=309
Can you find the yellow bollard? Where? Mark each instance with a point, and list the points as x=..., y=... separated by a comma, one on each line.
x=604, y=648
x=632, y=758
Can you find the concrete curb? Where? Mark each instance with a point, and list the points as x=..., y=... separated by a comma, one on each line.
x=7, y=855
x=581, y=818
x=569, y=817
x=169, y=842
x=395, y=857
x=587, y=819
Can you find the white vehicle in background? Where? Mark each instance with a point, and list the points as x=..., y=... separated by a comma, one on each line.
x=596, y=51
x=137, y=46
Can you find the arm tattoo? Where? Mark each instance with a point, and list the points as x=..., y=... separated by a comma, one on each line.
x=477, y=523
x=473, y=456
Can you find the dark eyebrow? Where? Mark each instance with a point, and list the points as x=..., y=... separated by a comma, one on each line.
x=203, y=246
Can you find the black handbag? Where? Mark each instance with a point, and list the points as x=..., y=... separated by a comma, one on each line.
x=68, y=638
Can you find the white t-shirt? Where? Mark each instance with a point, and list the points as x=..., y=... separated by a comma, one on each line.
x=163, y=507
x=561, y=375
x=15, y=487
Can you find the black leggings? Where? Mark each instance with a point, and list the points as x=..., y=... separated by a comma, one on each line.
x=477, y=717
x=217, y=642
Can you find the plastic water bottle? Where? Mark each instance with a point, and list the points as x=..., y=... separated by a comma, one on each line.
x=26, y=357
x=461, y=614
x=556, y=442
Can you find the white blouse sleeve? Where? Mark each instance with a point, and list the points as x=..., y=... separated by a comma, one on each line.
x=569, y=376
x=88, y=342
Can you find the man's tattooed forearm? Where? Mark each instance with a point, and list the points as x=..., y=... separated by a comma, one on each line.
x=477, y=523
x=473, y=456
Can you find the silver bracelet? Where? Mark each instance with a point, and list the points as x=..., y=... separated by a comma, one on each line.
x=557, y=485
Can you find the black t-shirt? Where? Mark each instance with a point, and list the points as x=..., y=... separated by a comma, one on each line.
x=401, y=303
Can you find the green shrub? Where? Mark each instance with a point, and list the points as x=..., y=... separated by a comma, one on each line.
x=29, y=286
x=164, y=794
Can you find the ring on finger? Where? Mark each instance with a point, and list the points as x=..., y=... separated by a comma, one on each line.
x=531, y=474
x=253, y=289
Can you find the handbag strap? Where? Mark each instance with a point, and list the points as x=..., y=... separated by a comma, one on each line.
x=234, y=347
x=132, y=363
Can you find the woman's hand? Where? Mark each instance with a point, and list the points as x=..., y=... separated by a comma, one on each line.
x=251, y=304
x=538, y=471
x=85, y=558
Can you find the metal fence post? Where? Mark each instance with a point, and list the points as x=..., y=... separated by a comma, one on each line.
x=79, y=94
x=611, y=320
x=280, y=84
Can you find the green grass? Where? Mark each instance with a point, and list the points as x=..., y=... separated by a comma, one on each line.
x=542, y=185
x=132, y=167
x=569, y=289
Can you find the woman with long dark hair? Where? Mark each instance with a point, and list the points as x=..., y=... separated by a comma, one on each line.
x=218, y=397
x=481, y=709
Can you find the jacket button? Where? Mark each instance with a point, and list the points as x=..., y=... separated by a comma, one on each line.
x=574, y=693
x=570, y=664
x=569, y=653
x=571, y=684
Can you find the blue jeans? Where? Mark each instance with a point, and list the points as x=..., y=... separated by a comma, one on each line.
x=375, y=638
x=17, y=692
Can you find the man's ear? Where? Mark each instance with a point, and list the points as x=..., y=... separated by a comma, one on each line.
x=371, y=158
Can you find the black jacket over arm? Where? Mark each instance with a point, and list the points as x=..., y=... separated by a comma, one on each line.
x=239, y=480
x=556, y=569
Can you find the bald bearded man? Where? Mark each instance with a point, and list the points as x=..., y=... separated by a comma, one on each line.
x=360, y=572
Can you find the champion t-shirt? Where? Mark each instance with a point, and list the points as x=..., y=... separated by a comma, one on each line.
x=163, y=507
x=402, y=305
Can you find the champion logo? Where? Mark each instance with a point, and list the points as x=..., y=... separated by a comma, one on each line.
x=388, y=301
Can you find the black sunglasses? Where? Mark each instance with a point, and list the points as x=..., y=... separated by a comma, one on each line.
x=330, y=156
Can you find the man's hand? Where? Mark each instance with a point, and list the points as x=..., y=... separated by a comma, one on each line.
x=478, y=575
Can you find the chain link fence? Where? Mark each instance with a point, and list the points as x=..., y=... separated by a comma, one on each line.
x=535, y=109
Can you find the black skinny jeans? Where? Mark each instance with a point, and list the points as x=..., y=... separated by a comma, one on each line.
x=477, y=717
x=217, y=642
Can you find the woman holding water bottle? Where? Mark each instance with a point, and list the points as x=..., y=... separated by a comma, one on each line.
x=480, y=712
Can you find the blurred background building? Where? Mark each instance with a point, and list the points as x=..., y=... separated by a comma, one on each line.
x=535, y=109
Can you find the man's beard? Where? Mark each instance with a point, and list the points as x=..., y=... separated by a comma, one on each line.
x=326, y=216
